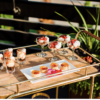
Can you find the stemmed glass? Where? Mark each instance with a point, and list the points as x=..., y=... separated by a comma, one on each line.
x=63, y=39
x=42, y=41
x=54, y=46
x=73, y=44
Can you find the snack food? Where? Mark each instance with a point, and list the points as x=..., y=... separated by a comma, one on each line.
x=21, y=55
x=35, y=73
x=54, y=66
x=55, y=45
x=64, y=66
x=64, y=38
x=50, y=72
x=10, y=64
x=8, y=53
x=43, y=40
x=43, y=69
x=1, y=61
x=73, y=44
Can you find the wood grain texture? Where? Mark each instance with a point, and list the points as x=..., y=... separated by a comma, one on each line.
x=33, y=60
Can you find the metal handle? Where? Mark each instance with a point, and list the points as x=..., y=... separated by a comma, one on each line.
x=16, y=10
x=89, y=33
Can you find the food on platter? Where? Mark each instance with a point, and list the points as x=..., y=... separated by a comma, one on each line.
x=35, y=73
x=43, y=69
x=58, y=71
x=51, y=71
x=73, y=44
x=54, y=66
x=64, y=66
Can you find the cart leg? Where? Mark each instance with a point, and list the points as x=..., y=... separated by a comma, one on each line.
x=57, y=92
x=92, y=86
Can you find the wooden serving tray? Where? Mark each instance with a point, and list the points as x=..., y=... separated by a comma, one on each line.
x=33, y=60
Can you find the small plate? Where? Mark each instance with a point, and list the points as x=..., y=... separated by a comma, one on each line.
x=27, y=71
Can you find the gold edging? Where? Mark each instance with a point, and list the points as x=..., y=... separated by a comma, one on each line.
x=40, y=94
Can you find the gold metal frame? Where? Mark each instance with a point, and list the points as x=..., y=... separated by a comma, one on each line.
x=64, y=82
x=41, y=94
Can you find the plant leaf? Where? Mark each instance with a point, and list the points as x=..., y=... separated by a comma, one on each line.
x=97, y=21
x=67, y=20
x=89, y=13
x=84, y=22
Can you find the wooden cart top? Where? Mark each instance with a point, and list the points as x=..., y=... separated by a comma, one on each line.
x=33, y=60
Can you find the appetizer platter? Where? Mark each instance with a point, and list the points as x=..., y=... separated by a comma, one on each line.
x=48, y=69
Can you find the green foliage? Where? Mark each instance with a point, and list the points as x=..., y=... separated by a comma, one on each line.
x=86, y=85
x=92, y=45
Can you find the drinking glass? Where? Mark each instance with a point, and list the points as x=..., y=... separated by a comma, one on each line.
x=73, y=44
x=8, y=54
x=1, y=61
x=21, y=56
x=63, y=39
x=42, y=41
x=10, y=65
x=54, y=46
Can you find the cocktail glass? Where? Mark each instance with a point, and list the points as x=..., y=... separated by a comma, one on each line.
x=7, y=54
x=63, y=39
x=42, y=41
x=21, y=55
x=54, y=46
x=73, y=44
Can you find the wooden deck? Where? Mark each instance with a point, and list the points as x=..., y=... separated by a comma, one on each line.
x=33, y=60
